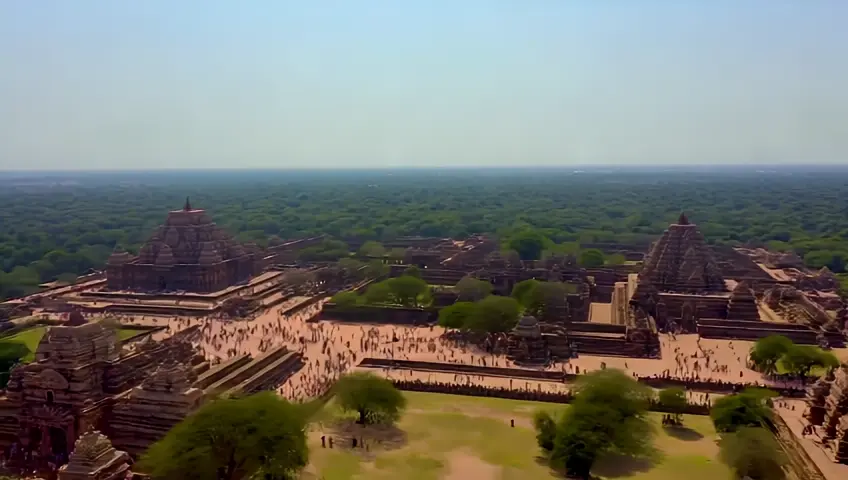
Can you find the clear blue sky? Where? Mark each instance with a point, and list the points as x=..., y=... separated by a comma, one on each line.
x=369, y=83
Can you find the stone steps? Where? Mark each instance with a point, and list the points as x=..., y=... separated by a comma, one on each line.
x=245, y=371
x=276, y=373
x=220, y=371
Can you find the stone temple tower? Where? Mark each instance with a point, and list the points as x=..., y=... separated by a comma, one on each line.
x=680, y=261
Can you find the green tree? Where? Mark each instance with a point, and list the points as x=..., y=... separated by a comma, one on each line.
x=408, y=290
x=609, y=413
x=494, y=314
x=352, y=267
x=615, y=259
x=412, y=271
x=373, y=398
x=326, y=251
x=591, y=258
x=745, y=409
x=523, y=291
x=753, y=453
x=545, y=425
x=800, y=359
x=260, y=436
x=673, y=399
x=470, y=289
x=376, y=268
x=529, y=244
x=457, y=315
x=378, y=293
x=548, y=300
x=372, y=249
x=768, y=351
x=345, y=299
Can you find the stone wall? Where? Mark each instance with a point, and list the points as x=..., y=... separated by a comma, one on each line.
x=557, y=376
x=377, y=314
x=736, y=329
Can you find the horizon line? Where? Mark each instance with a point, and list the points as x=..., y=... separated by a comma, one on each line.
x=574, y=167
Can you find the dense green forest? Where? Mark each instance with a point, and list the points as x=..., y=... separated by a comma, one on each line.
x=53, y=227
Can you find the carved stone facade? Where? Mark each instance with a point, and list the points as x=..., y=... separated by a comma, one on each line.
x=827, y=407
x=78, y=373
x=680, y=261
x=94, y=458
x=187, y=253
x=154, y=407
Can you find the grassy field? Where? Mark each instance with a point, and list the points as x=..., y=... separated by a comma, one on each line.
x=460, y=438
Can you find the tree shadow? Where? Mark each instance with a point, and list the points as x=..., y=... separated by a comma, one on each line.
x=615, y=465
x=682, y=433
x=369, y=438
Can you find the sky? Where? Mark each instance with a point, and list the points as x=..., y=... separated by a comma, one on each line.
x=408, y=83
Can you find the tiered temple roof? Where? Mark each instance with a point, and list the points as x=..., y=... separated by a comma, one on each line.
x=94, y=458
x=154, y=407
x=188, y=237
x=78, y=343
x=742, y=304
x=680, y=261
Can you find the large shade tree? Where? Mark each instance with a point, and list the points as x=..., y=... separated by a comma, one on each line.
x=373, y=398
x=609, y=413
x=767, y=351
x=260, y=436
x=529, y=244
x=457, y=315
x=745, y=409
x=494, y=314
x=470, y=289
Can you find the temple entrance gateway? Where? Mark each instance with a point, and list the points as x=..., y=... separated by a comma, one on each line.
x=58, y=441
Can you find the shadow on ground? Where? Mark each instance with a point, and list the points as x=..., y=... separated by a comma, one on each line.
x=683, y=433
x=369, y=438
x=622, y=466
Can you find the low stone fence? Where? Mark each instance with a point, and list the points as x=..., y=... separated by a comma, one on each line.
x=555, y=376
x=378, y=314
x=519, y=394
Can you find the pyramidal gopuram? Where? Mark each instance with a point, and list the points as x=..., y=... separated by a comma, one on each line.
x=680, y=261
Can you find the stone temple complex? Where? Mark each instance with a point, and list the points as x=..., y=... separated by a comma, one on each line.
x=188, y=252
x=84, y=379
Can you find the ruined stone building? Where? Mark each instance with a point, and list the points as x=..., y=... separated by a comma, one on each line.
x=827, y=408
x=188, y=252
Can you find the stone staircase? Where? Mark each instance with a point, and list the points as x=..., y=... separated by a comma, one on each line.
x=270, y=377
x=245, y=371
x=606, y=346
x=218, y=372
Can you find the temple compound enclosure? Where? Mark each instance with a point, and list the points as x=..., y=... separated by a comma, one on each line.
x=682, y=285
x=83, y=379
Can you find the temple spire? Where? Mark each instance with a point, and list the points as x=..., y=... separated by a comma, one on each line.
x=187, y=206
x=682, y=220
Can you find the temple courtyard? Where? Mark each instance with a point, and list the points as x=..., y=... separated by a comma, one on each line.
x=457, y=437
